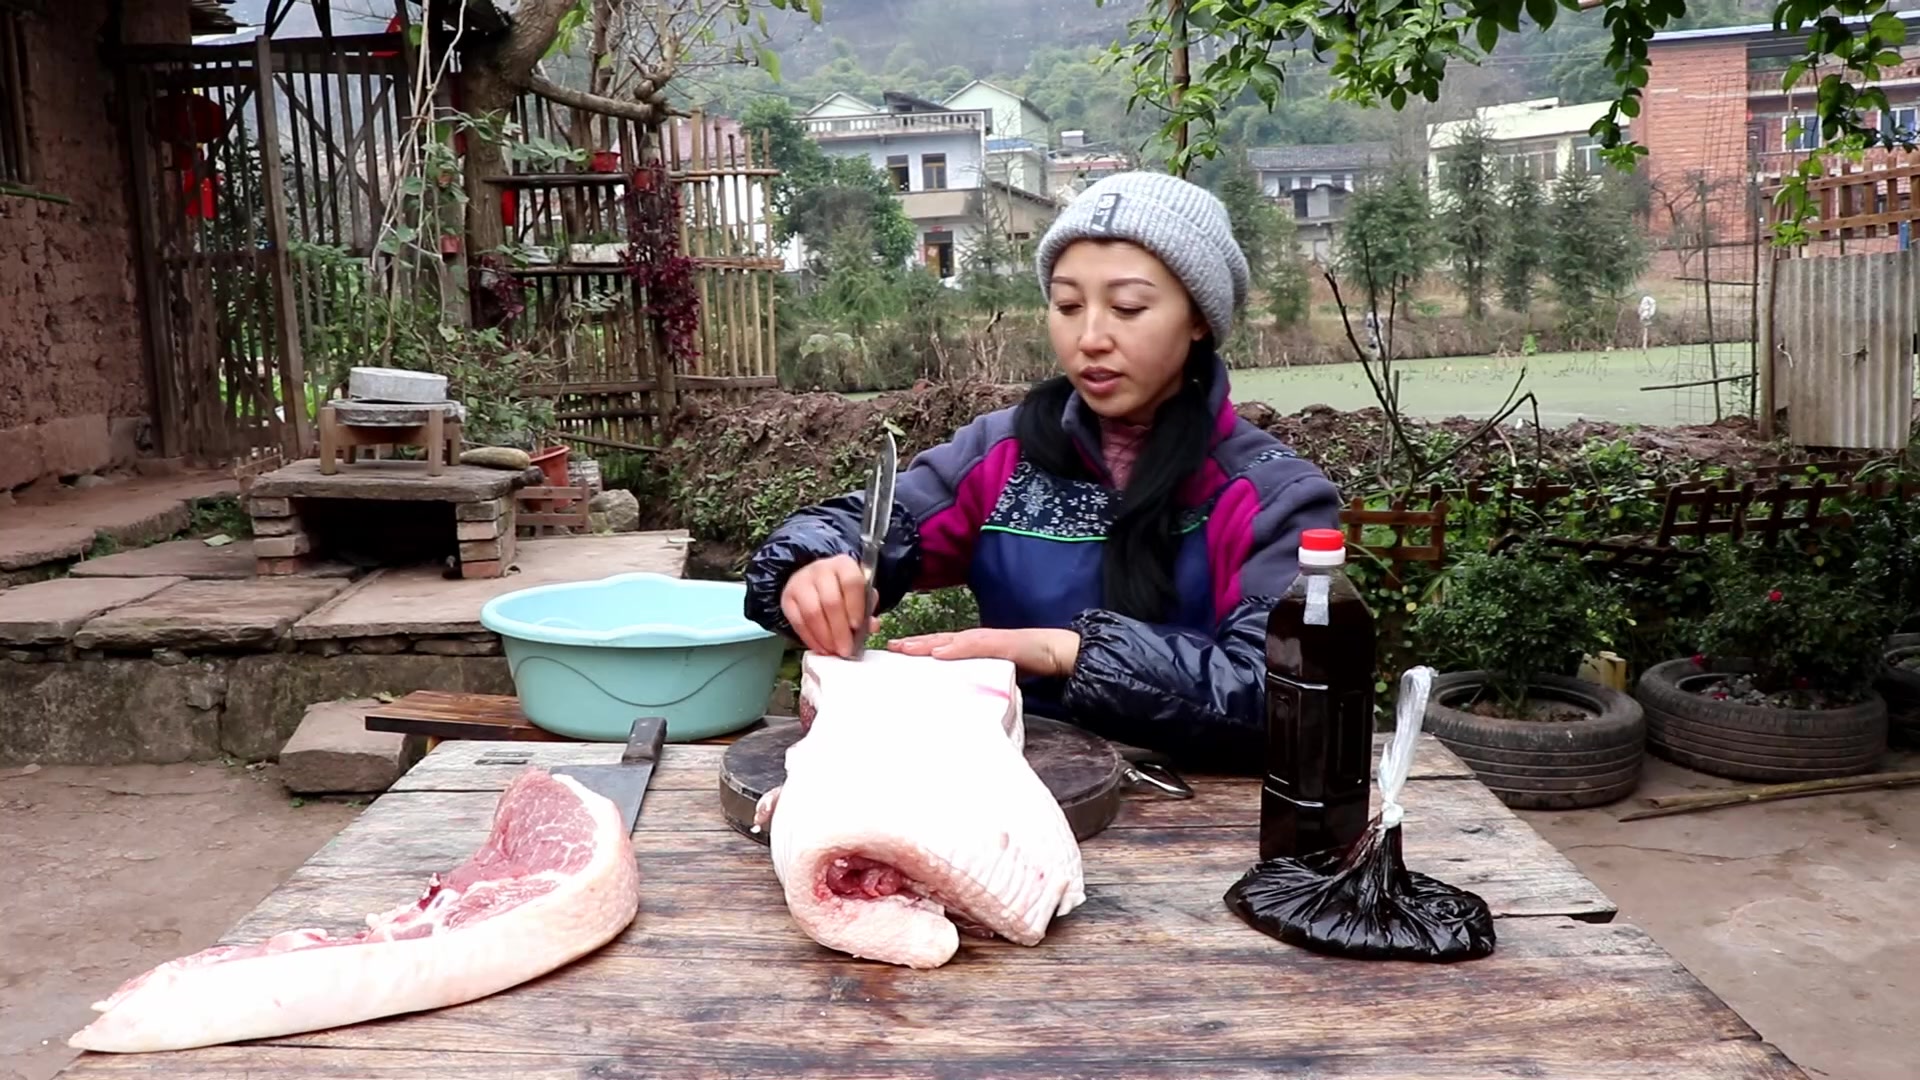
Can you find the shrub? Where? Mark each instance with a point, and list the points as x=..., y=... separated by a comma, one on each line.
x=1806, y=626
x=1517, y=616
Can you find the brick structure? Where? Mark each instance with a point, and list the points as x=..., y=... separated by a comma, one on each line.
x=74, y=387
x=1714, y=118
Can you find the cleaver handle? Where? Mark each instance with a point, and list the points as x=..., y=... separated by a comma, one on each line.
x=645, y=741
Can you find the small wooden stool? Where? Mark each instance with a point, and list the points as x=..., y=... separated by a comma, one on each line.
x=348, y=425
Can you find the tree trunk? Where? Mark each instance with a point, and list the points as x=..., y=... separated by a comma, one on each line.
x=486, y=93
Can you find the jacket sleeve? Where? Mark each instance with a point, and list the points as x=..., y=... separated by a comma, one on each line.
x=1201, y=698
x=939, y=502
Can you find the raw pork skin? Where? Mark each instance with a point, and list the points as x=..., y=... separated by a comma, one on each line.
x=555, y=879
x=908, y=806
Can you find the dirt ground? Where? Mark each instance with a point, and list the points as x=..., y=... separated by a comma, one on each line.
x=108, y=871
x=1797, y=913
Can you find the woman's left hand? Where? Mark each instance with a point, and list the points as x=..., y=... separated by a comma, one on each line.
x=1040, y=652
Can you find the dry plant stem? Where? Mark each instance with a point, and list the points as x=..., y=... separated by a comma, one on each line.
x=1666, y=805
x=1399, y=433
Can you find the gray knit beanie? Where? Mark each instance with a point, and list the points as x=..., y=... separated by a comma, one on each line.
x=1180, y=222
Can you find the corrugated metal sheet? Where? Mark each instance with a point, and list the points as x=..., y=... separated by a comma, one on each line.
x=1846, y=333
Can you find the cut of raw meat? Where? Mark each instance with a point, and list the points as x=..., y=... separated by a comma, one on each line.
x=910, y=813
x=555, y=879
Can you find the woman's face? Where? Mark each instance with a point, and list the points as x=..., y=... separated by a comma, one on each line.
x=1122, y=326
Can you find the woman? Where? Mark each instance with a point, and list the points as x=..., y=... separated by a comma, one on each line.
x=1123, y=530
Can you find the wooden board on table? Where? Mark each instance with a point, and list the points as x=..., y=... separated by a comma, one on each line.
x=1151, y=977
x=456, y=766
x=1457, y=832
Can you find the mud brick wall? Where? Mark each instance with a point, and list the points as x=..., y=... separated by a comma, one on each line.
x=74, y=394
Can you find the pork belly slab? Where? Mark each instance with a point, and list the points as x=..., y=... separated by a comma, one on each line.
x=555, y=879
x=909, y=812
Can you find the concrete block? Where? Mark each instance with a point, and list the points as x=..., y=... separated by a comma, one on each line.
x=481, y=550
x=468, y=531
x=270, y=508
x=286, y=526
x=333, y=752
x=486, y=569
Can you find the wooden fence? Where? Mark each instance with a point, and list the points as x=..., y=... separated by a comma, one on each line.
x=588, y=319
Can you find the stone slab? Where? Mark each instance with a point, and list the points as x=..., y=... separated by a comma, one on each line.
x=50, y=612
x=61, y=524
x=332, y=752
x=210, y=614
x=175, y=558
x=393, y=414
x=111, y=712
x=384, y=479
x=419, y=600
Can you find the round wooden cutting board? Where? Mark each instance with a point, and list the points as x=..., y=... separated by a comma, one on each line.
x=1084, y=772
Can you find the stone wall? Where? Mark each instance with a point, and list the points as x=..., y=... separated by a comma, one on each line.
x=63, y=706
x=74, y=389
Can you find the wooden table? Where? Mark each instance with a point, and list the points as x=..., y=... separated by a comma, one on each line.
x=1153, y=977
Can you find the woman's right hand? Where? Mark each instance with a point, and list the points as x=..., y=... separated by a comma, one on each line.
x=826, y=602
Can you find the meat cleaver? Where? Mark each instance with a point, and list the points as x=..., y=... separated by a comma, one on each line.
x=625, y=783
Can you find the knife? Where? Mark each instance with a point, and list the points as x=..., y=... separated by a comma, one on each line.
x=873, y=533
x=626, y=782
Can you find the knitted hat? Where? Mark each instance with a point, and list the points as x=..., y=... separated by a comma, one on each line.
x=1180, y=222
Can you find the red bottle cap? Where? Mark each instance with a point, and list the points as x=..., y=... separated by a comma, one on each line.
x=1323, y=540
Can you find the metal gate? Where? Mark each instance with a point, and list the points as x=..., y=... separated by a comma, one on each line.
x=220, y=221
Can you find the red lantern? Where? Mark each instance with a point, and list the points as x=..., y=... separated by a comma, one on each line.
x=188, y=119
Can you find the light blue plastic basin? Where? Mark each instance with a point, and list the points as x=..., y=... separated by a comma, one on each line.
x=590, y=657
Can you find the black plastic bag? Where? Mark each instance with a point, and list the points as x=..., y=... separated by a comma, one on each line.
x=1363, y=902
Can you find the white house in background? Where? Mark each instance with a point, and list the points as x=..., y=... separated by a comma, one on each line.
x=1018, y=134
x=1539, y=135
x=938, y=158
x=1077, y=163
x=1315, y=182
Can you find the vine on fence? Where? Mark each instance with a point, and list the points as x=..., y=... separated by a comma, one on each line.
x=654, y=259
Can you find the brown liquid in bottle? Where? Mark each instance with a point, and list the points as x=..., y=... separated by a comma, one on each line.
x=1320, y=676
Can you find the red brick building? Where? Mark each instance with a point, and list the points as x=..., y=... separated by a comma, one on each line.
x=1715, y=122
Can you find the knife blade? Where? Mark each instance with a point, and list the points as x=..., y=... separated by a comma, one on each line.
x=625, y=783
x=873, y=533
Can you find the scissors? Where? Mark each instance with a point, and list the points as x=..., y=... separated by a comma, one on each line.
x=873, y=532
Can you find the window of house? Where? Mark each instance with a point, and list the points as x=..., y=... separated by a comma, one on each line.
x=897, y=168
x=1300, y=203
x=1807, y=139
x=1900, y=122
x=16, y=165
x=1586, y=153
x=933, y=171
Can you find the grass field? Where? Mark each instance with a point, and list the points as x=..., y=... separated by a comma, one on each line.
x=1569, y=386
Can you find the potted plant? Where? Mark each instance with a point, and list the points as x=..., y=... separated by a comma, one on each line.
x=1507, y=633
x=1781, y=687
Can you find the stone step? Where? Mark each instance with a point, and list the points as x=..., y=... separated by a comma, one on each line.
x=333, y=753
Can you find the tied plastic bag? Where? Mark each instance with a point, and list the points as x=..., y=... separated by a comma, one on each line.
x=1363, y=902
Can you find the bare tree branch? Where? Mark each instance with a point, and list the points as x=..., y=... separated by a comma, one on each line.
x=638, y=111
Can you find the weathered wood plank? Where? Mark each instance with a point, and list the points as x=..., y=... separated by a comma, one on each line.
x=1457, y=831
x=1734, y=1060
x=453, y=766
x=1558, y=999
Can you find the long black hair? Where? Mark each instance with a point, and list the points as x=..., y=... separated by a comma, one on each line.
x=1137, y=573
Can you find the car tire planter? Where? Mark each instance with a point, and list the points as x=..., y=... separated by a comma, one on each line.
x=1544, y=764
x=1901, y=687
x=1751, y=742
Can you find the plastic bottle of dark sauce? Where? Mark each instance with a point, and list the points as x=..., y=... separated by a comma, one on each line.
x=1320, y=674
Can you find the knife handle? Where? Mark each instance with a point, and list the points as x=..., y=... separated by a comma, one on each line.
x=645, y=741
